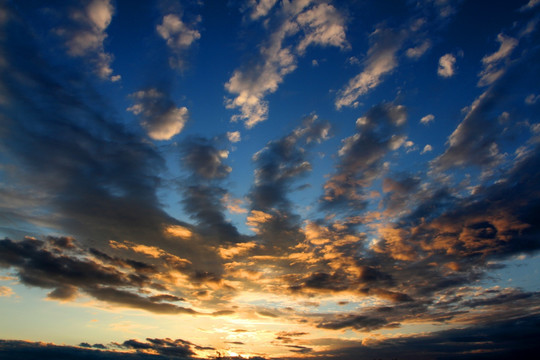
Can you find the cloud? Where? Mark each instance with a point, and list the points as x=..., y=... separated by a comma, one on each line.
x=260, y=8
x=381, y=60
x=303, y=24
x=179, y=37
x=150, y=349
x=531, y=99
x=427, y=119
x=323, y=25
x=474, y=141
x=426, y=149
x=86, y=33
x=531, y=4
x=159, y=115
x=446, y=67
x=70, y=271
x=359, y=322
x=203, y=159
x=496, y=340
x=203, y=197
x=6, y=291
x=493, y=66
x=417, y=51
x=98, y=180
x=233, y=136
x=361, y=156
x=282, y=161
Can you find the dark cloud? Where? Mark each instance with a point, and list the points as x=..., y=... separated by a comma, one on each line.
x=474, y=142
x=480, y=138
x=278, y=165
x=399, y=192
x=130, y=299
x=202, y=158
x=203, y=194
x=509, y=339
x=24, y=350
x=96, y=346
x=89, y=175
x=281, y=162
x=299, y=349
x=361, y=157
x=204, y=203
x=324, y=281
x=499, y=221
x=167, y=347
x=358, y=322
x=160, y=349
x=166, y=297
x=68, y=273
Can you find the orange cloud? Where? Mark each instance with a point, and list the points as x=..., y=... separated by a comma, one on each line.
x=178, y=231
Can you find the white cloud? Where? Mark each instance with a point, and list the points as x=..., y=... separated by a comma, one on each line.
x=380, y=61
x=178, y=36
x=427, y=119
x=426, y=149
x=159, y=116
x=418, y=51
x=323, y=25
x=260, y=8
x=301, y=25
x=492, y=64
x=85, y=37
x=233, y=136
x=446, y=66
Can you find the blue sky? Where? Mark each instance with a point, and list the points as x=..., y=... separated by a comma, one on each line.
x=269, y=179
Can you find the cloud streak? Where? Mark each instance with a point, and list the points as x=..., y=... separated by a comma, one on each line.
x=306, y=24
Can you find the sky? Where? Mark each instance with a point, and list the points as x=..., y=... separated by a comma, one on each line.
x=269, y=179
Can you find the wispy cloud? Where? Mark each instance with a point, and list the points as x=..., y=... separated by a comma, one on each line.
x=381, y=60
x=302, y=23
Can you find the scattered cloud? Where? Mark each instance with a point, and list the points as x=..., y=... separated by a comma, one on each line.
x=426, y=149
x=417, y=51
x=427, y=119
x=159, y=115
x=85, y=35
x=532, y=99
x=446, y=67
x=179, y=37
x=234, y=136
